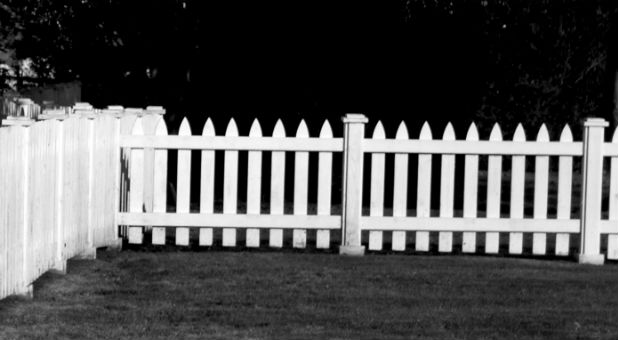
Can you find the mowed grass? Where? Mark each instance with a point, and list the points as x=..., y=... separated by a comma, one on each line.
x=291, y=295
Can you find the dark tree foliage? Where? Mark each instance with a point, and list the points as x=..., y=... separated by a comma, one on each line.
x=551, y=61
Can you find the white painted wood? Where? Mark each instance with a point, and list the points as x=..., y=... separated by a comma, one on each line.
x=325, y=174
x=183, y=184
x=301, y=183
x=234, y=220
x=423, y=196
x=149, y=124
x=471, y=179
x=160, y=183
x=565, y=182
x=590, y=248
x=447, y=191
x=277, y=182
x=136, y=184
x=230, y=186
x=254, y=184
x=541, y=187
x=494, y=182
x=376, y=205
x=518, y=185
x=612, y=239
x=207, y=184
x=275, y=143
x=400, y=190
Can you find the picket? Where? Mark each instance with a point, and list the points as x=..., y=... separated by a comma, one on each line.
x=518, y=185
x=183, y=184
x=136, y=182
x=207, y=184
x=423, y=196
x=230, y=185
x=376, y=205
x=612, y=239
x=159, y=177
x=301, y=183
x=541, y=186
x=565, y=182
x=471, y=178
x=254, y=184
x=447, y=191
x=325, y=174
x=277, y=186
x=494, y=181
x=400, y=189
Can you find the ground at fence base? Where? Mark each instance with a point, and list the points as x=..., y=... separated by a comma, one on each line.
x=596, y=259
x=352, y=250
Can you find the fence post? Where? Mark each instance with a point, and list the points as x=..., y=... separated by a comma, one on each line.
x=592, y=181
x=352, y=193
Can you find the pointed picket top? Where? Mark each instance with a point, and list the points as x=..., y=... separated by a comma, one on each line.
x=161, y=128
x=256, y=129
x=473, y=133
x=378, y=131
x=520, y=134
x=279, y=130
x=425, y=132
x=449, y=132
x=543, y=135
x=326, y=131
x=231, y=130
x=138, y=128
x=496, y=133
x=302, y=130
x=402, y=131
x=209, y=128
x=185, y=128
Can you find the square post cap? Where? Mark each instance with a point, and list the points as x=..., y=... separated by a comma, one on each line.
x=355, y=118
x=596, y=122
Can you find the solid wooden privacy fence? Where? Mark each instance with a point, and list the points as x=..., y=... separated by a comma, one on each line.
x=72, y=185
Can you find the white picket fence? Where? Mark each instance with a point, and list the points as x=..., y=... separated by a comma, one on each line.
x=149, y=144
x=72, y=185
x=58, y=197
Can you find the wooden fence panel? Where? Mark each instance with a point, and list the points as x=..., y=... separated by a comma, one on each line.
x=277, y=186
x=230, y=186
x=447, y=191
x=325, y=175
x=518, y=185
x=301, y=183
x=183, y=184
x=376, y=204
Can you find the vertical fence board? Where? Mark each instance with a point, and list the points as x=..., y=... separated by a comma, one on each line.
x=254, y=185
x=277, y=185
x=494, y=181
x=471, y=179
x=612, y=239
x=136, y=183
x=377, y=189
x=400, y=190
x=447, y=191
x=159, y=177
x=230, y=186
x=183, y=184
x=541, y=187
x=325, y=174
x=301, y=182
x=423, y=197
x=207, y=185
x=518, y=184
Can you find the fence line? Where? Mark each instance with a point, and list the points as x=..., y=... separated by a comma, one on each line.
x=76, y=183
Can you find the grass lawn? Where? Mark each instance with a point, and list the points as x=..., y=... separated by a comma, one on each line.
x=291, y=295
